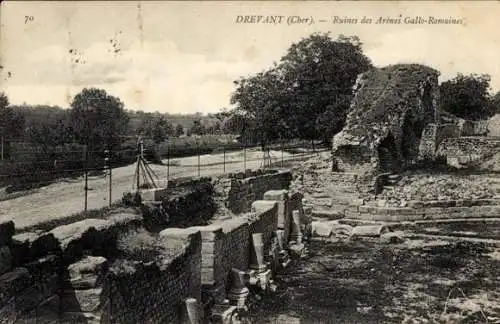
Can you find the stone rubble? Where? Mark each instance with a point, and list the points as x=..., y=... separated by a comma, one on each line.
x=425, y=187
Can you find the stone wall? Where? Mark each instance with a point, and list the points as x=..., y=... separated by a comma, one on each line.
x=187, y=202
x=27, y=290
x=238, y=191
x=226, y=245
x=433, y=135
x=35, y=279
x=474, y=128
x=462, y=152
x=155, y=292
x=420, y=210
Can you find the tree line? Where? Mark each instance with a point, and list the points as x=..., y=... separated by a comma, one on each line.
x=96, y=119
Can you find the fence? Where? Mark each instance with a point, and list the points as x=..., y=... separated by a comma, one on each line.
x=101, y=175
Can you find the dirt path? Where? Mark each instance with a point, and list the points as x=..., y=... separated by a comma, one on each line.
x=66, y=197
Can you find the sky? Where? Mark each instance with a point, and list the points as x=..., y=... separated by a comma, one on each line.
x=182, y=57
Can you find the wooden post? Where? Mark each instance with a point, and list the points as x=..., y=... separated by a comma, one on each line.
x=86, y=187
x=108, y=165
x=198, y=149
x=168, y=161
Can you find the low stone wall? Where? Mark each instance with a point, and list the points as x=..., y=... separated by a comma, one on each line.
x=420, y=210
x=155, y=292
x=238, y=191
x=468, y=151
x=433, y=135
x=35, y=268
x=26, y=290
x=226, y=245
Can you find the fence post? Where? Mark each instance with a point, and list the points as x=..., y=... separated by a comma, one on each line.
x=107, y=160
x=168, y=161
x=198, y=149
x=86, y=188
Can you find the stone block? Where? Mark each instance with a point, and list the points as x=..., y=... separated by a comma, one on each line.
x=87, y=273
x=7, y=230
x=125, y=221
x=5, y=259
x=392, y=237
x=277, y=195
x=263, y=205
x=76, y=237
x=357, y=202
x=157, y=194
x=322, y=229
x=369, y=230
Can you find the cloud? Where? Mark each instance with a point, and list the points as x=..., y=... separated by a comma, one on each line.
x=152, y=75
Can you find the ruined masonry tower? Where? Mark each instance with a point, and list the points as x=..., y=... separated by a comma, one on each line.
x=391, y=108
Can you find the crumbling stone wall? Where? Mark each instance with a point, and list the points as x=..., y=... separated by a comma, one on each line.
x=154, y=292
x=226, y=245
x=239, y=191
x=433, y=135
x=27, y=290
x=464, y=152
x=35, y=283
x=391, y=108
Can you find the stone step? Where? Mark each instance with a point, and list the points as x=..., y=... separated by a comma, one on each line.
x=327, y=213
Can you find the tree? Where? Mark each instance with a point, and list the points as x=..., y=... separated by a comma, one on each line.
x=98, y=119
x=179, y=130
x=467, y=96
x=495, y=102
x=11, y=122
x=319, y=74
x=161, y=130
x=261, y=106
x=311, y=86
x=197, y=128
x=49, y=136
x=11, y=125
